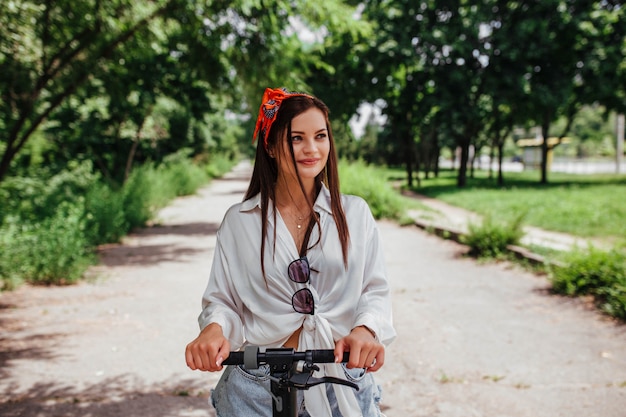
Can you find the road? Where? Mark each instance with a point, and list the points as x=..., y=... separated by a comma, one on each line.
x=474, y=340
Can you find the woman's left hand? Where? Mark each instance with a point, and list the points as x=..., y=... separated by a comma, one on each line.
x=365, y=350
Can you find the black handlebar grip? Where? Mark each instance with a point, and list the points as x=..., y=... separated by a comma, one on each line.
x=234, y=358
x=328, y=356
x=323, y=356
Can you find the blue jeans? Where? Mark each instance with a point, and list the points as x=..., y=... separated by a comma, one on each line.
x=242, y=392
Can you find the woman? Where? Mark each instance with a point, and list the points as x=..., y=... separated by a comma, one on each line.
x=299, y=265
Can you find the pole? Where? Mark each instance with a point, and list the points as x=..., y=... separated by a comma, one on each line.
x=285, y=402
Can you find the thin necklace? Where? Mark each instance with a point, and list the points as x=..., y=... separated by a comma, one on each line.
x=299, y=222
x=298, y=217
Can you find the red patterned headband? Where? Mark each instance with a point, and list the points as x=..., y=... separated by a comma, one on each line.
x=272, y=99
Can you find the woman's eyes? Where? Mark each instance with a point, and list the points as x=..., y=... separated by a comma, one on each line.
x=318, y=136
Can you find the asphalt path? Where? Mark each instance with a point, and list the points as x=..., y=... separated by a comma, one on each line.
x=474, y=339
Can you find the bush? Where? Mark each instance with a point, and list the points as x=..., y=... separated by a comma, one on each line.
x=149, y=188
x=105, y=219
x=218, y=165
x=49, y=226
x=42, y=228
x=184, y=178
x=12, y=258
x=490, y=239
x=371, y=184
x=53, y=251
x=140, y=195
x=612, y=299
x=36, y=198
x=596, y=272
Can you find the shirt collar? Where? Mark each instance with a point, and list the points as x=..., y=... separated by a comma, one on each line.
x=321, y=203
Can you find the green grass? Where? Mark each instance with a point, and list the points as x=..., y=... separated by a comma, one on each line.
x=582, y=205
x=373, y=185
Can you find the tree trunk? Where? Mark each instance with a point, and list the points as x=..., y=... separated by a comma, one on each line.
x=417, y=170
x=545, y=128
x=500, y=157
x=129, y=160
x=472, y=161
x=436, y=161
x=462, y=174
x=432, y=153
x=5, y=163
x=421, y=159
x=492, y=153
x=133, y=148
x=408, y=158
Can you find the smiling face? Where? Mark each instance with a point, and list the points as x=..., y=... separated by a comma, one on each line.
x=311, y=145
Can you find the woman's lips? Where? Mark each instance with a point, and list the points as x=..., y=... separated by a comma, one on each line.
x=309, y=161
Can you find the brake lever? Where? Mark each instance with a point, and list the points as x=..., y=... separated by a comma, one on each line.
x=306, y=381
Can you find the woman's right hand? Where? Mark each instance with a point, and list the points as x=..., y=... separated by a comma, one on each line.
x=207, y=351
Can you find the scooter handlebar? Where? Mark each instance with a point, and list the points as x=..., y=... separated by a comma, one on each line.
x=252, y=357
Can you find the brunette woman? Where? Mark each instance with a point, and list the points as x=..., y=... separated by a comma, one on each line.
x=297, y=264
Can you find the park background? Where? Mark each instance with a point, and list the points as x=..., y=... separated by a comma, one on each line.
x=124, y=126
x=110, y=110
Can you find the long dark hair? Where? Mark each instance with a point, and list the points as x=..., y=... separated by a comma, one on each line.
x=265, y=172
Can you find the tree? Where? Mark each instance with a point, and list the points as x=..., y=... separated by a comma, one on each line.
x=602, y=75
x=441, y=54
x=506, y=85
x=49, y=50
x=392, y=70
x=61, y=50
x=555, y=51
x=142, y=107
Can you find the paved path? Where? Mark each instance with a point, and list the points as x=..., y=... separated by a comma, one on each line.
x=451, y=217
x=475, y=340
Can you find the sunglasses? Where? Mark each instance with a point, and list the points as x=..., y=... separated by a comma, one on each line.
x=300, y=272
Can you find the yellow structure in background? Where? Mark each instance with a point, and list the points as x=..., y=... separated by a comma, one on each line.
x=532, y=150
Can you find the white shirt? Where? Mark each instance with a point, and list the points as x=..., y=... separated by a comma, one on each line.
x=259, y=312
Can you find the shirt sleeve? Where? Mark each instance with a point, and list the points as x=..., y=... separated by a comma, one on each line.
x=374, y=308
x=220, y=302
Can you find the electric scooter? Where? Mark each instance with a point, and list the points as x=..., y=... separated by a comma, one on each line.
x=290, y=371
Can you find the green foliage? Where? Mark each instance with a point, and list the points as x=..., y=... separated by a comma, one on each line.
x=141, y=193
x=469, y=73
x=219, y=165
x=47, y=234
x=596, y=272
x=37, y=197
x=371, y=184
x=52, y=251
x=105, y=217
x=490, y=238
x=592, y=134
x=151, y=187
x=183, y=177
x=133, y=81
